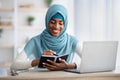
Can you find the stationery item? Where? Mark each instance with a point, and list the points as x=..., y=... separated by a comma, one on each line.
x=54, y=58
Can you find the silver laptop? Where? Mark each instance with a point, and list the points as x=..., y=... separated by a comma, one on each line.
x=98, y=56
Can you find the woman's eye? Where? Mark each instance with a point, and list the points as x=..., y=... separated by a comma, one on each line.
x=61, y=23
x=53, y=22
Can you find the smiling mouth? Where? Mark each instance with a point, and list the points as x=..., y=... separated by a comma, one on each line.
x=55, y=31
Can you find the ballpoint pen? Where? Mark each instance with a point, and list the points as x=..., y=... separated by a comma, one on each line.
x=55, y=54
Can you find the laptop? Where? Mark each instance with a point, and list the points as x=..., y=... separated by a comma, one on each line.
x=98, y=56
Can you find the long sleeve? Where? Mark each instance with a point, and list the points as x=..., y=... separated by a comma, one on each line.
x=77, y=59
x=21, y=62
x=79, y=49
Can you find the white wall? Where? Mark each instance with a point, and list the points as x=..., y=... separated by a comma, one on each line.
x=6, y=55
x=98, y=20
x=16, y=36
x=116, y=26
x=7, y=35
x=8, y=5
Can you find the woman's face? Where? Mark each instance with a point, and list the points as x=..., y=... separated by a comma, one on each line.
x=55, y=26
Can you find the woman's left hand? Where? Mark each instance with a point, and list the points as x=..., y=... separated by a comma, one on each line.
x=56, y=66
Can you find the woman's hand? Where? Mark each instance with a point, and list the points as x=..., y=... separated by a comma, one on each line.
x=35, y=62
x=49, y=52
x=56, y=66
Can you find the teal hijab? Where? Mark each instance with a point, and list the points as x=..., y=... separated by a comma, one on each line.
x=62, y=44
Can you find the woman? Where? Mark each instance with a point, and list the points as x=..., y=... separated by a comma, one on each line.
x=53, y=39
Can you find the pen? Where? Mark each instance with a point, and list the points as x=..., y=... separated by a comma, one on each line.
x=55, y=54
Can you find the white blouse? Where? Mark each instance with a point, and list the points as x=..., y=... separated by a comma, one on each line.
x=22, y=62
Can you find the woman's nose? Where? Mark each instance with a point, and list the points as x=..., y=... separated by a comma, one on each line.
x=56, y=25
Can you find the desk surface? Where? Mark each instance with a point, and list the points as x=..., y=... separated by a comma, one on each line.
x=62, y=75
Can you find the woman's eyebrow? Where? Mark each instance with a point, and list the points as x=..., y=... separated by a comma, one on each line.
x=61, y=21
x=54, y=20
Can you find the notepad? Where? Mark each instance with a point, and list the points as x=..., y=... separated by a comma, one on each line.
x=54, y=58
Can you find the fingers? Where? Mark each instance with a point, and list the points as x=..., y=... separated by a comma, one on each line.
x=49, y=52
x=50, y=67
x=62, y=60
x=56, y=66
x=52, y=63
x=53, y=52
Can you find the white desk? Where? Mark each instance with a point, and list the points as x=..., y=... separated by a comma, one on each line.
x=61, y=75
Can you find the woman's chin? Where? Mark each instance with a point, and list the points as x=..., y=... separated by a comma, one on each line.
x=55, y=35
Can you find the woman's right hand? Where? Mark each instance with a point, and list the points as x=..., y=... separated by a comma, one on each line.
x=49, y=52
x=35, y=62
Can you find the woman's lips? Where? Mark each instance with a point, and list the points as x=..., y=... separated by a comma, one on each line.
x=55, y=31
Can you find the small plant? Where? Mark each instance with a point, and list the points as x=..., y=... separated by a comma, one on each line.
x=30, y=19
x=48, y=2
